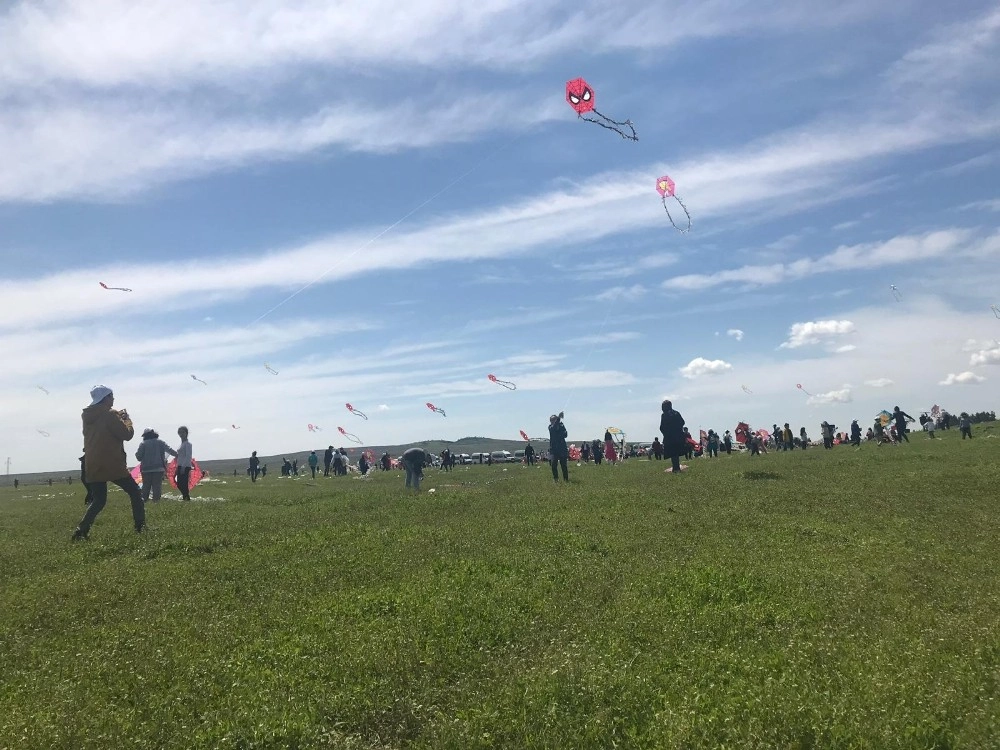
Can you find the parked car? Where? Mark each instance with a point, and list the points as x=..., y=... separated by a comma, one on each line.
x=519, y=457
x=479, y=458
x=502, y=457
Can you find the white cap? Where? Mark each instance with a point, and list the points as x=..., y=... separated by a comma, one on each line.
x=98, y=393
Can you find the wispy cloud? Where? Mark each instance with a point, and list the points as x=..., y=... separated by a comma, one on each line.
x=623, y=294
x=610, y=337
x=735, y=333
x=879, y=383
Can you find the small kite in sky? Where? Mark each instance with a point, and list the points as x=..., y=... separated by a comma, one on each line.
x=665, y=187
x=580, y=96
x=996, y=310
x=270, y=369
x=356, y=411
x=314, y=428
x=504, y=383
x=525, y=436
x=113, y=288
x=438, y=409
x=43, y=433
x=895, y=293
x=43, y=390
x=746, y=390
x=234, y=427
x=195, y=377
x=799, y=386
x=349, y=435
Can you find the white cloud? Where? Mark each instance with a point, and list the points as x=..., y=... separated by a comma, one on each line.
x=815, y=332
x=700, y=366
x=845, y=349
x=842, y=396
x=736, y=333
x=986, y=357
x=962, y=378
x=879, y=383
x=218, y=430
x=383, y=407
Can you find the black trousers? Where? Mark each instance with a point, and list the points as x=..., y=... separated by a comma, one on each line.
x=555, y=463
x=183, y=479
x=98, y=492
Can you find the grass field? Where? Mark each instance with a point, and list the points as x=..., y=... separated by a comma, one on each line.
x=825, y=599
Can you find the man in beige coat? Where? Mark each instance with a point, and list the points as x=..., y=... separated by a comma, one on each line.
x=105, y=431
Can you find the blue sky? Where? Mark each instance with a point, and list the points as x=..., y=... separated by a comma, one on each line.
x=386, y=207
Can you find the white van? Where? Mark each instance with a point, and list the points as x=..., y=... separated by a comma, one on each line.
x=502, y=457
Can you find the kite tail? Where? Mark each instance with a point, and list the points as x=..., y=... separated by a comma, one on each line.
x=681, y=203
x=614, y=125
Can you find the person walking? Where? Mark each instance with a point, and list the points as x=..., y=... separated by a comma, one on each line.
x=901, y=418
x=413, y=461
x=529, y=454
x=313, y=463
x=254, y=466
x=559, y=451
x=609, y=447
x=152, y=455
x=105, y=431
x=672, y=429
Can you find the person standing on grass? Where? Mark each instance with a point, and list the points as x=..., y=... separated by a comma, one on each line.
x=559, y=451
x=656, y=449
x=901, y=418
x=529, y=454
x=727, y=442
x=327, y=460
x=152, y=455
x=413, y=461
x=105, y=431
x=185, y=454
x=713, y=444
x=672, y=429
x=965, y=425
x=855, y=434
x=313, y=463
x=786, y=437
x=254, y=466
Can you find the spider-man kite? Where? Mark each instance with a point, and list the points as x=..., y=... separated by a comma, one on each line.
x=504, y=383
x=356, y=411
x=580, y=96
x=438, y=409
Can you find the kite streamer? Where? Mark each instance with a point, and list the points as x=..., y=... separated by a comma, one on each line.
x=270, y=369
x=438, y=409
x=746, y=390
x=895, y=293
x=349, y=436
x=42, y=390
x=799, y=386
x=665, y=187
x=113, y=288
x=525, y=436
x=314, y=428
x=996, y=310
x=580, y=96
x=504, y=383
x=195, y=377
x=358, y=412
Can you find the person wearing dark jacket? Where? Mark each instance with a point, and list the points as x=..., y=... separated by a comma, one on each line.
x=413, y=461
x=152, y=455
x=558, y=450
x=327, y=460
x=901, y=418
x=672, y=429
x=105, y=431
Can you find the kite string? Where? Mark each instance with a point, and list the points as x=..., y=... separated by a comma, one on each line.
x=590, y=352
x=625, y=123
x=389, y=228
x=682, y=231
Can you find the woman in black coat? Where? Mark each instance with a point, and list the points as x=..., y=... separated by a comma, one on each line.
x=672, y=428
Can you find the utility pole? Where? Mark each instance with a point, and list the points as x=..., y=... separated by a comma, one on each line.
x=8, y=468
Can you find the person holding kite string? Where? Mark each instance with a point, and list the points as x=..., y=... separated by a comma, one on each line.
x=558, y=450
x=105, y=431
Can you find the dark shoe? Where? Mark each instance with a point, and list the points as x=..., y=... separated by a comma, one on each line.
x=79, y=536
x=140, y=529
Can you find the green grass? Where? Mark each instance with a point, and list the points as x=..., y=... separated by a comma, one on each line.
x=826, y=599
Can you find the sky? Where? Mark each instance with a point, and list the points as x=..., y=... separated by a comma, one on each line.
x=386, y=207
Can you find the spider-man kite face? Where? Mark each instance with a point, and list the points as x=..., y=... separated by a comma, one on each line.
x=579, y=95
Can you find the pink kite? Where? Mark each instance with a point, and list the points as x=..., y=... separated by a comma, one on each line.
x=113, y=288
x=665, y=187
x=193, y=478
x=438, y=409
x=525, y=436
x=349, y=436
x=358, y=412
x=314, y=428
x=505, y=383
x=580, y=97
x=574, y=453
x=799, y=386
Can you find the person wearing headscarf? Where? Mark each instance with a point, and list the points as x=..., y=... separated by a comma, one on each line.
x=152, y=456
x=105, y=431
x=672, y=429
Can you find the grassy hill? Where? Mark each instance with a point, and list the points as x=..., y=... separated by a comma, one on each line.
x=836, y=599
